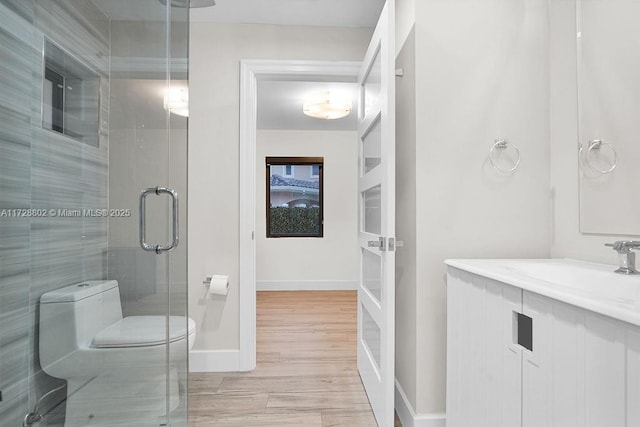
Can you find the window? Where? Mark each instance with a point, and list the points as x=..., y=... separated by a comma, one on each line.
x=294, y=200
x=70, y=96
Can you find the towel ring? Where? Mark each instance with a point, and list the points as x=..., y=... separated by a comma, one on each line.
x=597, y=144
x=503, y=144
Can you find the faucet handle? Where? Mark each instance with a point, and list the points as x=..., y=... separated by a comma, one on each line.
x=624, y=246
x=616, y=245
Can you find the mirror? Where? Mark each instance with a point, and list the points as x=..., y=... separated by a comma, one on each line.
x=608, y=47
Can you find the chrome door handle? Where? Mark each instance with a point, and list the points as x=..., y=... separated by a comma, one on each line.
x=143, y=227
x=380, y=243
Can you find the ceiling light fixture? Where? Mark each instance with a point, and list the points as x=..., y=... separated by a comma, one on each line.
x=327, y=105
x=176, y=101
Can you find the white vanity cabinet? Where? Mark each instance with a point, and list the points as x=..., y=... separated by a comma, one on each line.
x=518, y=358
x=584, y=370
x=483, y=364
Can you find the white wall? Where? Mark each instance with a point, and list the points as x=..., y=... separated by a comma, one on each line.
x=215, y=52
x=481, y=74
x=405, y=18
x=406, y=222
x=484, y=70
x=568, y=242
x=333, y=258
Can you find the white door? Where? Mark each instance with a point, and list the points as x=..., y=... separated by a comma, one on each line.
x=376, y=188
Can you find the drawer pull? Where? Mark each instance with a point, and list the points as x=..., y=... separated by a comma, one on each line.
x=525, y=331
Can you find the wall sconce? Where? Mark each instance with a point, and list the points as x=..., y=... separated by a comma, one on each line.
x=327, y=105
x=176, y=101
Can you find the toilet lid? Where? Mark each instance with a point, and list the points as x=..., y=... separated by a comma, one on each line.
x=142, y=331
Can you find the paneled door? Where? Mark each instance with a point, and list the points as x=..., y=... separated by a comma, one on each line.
x=376, y=192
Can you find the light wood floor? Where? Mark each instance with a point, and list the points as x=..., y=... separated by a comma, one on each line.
x=306, y=372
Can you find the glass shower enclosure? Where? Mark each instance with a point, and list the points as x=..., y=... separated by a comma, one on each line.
x=93, y=183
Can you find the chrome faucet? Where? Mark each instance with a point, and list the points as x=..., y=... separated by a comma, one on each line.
x=626, y=258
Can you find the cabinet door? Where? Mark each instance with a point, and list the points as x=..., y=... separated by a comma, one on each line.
x=633, y=377
x=576, y=374
x=483, y=363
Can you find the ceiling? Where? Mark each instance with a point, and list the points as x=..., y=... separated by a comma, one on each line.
x=332, y=13
x=280, y=105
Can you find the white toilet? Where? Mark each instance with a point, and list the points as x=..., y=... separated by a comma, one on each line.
x=116, y=368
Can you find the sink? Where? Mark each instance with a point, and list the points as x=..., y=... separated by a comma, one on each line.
x=588, y=285
x=583, y=277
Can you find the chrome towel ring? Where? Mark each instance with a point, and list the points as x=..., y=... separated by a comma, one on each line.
x=596, y=145
x=503, y=144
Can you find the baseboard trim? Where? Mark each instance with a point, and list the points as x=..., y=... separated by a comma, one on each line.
x=306, y=285
x=408, y=416
x=214, y=361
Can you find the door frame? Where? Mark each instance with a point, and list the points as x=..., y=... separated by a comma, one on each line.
x=252, y=71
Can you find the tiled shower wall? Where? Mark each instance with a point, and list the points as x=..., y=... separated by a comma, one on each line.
x=40, y=169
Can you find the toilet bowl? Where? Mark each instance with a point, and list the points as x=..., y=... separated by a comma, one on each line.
x=117, y=368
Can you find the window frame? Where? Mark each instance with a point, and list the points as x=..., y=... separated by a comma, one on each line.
x=294, y=161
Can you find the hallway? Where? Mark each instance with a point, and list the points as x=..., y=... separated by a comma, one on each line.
x=306, y=372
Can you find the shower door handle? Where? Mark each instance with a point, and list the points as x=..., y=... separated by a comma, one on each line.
x=143, y=219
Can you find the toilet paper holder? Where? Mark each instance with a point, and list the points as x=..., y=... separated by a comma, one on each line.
x=217, y=284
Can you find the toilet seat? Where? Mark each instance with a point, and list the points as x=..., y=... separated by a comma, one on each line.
x=143, y=331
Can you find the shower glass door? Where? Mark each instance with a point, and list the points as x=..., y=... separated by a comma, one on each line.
x=93, y=106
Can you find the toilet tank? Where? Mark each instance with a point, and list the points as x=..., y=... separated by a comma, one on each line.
x=71, y=316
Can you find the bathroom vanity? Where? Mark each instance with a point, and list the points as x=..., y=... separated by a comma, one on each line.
x=533, y=343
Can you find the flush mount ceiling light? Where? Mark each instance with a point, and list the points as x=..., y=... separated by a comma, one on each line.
x=176, y=101
x=327, y=105
x=192, y=3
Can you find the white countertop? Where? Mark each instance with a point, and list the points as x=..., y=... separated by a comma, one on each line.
x=591, y=286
